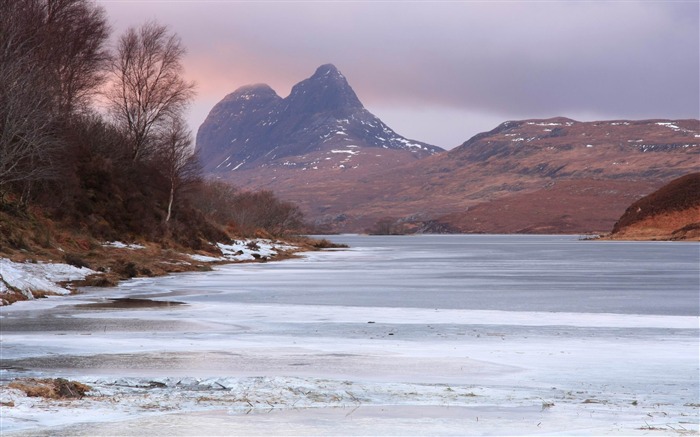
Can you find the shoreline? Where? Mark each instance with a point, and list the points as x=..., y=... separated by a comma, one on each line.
x=27, y=276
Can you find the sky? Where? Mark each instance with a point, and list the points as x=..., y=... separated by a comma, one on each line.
x=443, y=71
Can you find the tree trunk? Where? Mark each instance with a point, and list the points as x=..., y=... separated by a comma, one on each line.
x=170, y=202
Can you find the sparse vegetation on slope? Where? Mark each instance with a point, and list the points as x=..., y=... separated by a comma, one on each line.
x=672, y=213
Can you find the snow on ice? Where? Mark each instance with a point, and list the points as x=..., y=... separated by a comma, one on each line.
x=30, y=278
x=246, y=250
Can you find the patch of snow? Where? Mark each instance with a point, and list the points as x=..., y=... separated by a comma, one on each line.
x=224, y=161
x=589, y=145
x=207, y=259
x=669, y=125
x=545, y=124
x=246, y=250
x=120, y=245
x=236, y=167
x=518, y=139
x=349, y=152
x=408, y=143
x=34, y=277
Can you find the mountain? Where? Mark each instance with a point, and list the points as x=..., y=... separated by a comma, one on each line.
x=348, y=172
x=560, y=175
x=321, y=126
x=670, y=213
x=531, y=176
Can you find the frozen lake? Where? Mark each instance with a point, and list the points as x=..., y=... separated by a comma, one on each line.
x=412, y=335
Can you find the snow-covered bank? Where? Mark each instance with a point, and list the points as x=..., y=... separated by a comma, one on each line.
x=247, y=250
x=31, y=278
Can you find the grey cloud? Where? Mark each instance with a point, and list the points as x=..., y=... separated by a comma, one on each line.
x=608, y=59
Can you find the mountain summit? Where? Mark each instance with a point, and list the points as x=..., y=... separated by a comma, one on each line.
x=326, y=91
x=321, y=125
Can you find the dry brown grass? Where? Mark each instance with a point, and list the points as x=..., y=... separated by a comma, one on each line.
x=57, y=388
x=672, y=225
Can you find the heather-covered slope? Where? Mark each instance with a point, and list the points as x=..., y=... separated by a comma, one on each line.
x=535, y=176
x=671, y=212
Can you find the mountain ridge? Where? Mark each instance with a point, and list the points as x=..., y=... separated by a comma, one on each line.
x=321, y=120
x=348, y=171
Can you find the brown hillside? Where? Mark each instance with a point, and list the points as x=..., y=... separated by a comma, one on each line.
x=555, y=176
x=671, y=212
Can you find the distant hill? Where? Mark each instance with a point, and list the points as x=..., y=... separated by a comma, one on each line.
x=559, y=175
x=320, y=127
x=669, y=213
x=348, y=171
x=531, y=176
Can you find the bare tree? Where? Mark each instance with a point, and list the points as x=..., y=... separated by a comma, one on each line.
x=148, y=90
x=175, y=155
x=75, y=33
x=26, y=138
x=214, y=199
x=263, y=210
x=52, y=58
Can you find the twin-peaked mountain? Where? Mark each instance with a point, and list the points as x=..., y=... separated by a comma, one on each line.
x=320, y=125
x=348, y=171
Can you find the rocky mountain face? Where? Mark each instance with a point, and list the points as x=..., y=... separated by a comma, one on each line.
x=349, y=172
x=321, y=125
x=670, y=213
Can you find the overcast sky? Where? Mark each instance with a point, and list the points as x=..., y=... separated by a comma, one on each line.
x=441, y=72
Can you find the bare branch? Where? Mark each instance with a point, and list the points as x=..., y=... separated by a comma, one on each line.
x=148, y=90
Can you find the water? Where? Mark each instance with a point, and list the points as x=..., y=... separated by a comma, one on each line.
x=511, y=273
x=533, y=334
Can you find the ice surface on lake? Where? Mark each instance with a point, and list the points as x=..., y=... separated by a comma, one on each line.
x=404, y=335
